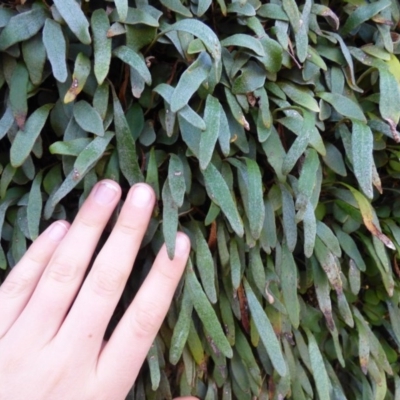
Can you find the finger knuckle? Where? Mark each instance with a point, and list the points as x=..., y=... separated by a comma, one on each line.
x=63, y=270
x=89, y=221
x=129, y=229
x=36, y=255
x=16, y=283
x=146, y=320
x=169, y=276
x=107, y=280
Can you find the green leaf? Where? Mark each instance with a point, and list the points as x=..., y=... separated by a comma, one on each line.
x=363, y=13
x=300, y=144
x=181, y=328
x=264, y=114
x=73, y=15
x=268, y=236
x=81, y=73
x=369, y=217
x=122, y=9
x=273, y=58
x=69, y=147
x=326, y=12
x=254, y=203
x=288, y=280
x=136, y=16
x=176, y=6
x=34, y=54
x=186, y=112
x=245, y=41
x=301, y=36
x=100, y=99
x=152, y=173
x=300, y=95
x=218, y=191
x=54, y=42
x=293, y=13
x=349, y=71
x=329, y=238
x=343, y=105
x=289, y=218
x=22, y=27
x=190, y=81
x=88, y=118
x=6, y=122
x=170, y=219
x=5, y=15
x=18, y=94
x=101, y=44
x=257, y=268
x=210, y=136
x=68, y=184
x=354, y=277
x=116, y=29
x=207, y=313
x=265, y=330
x=349, y=246
x=200, y=30
x=323, y=290
x=91, y=154
x=246, y=355
x=252, y=77
x=176, y=179
x=389, y=89
x=202, y=7
x=308, y=173
x=205, y=265
x=236, y=110
x=321, y=378
x=310, y=230
x=154, y=366
x=3, y=260
x=242, y=9
x=25, y=140
x=133, y=59
x=125, y=144
x=235, y=265
x=18, y=248
x=7, y=176
x=35, y=204
x=272, y=11
x=361, y=149
x=329, y=264
x=334, y=159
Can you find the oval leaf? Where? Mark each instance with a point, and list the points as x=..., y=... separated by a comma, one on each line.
x=25, y=140
x=206, y=313
x=88, y=118
x=54, y=42
x=73, y=15
x=218, y=190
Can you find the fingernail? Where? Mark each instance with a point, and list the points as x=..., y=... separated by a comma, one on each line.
x=182, y=244
x=57, y=231
x=105, y=192
x=141, y=196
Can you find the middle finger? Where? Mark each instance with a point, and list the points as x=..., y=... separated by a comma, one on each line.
x=63, y=276
x=102, y=289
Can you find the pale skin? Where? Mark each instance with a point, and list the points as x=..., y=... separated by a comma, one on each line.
x=53, y=321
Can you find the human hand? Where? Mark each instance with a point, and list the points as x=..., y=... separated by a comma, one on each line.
x=52, y=325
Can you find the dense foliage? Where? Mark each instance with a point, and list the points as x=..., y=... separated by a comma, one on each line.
x=269, y=133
